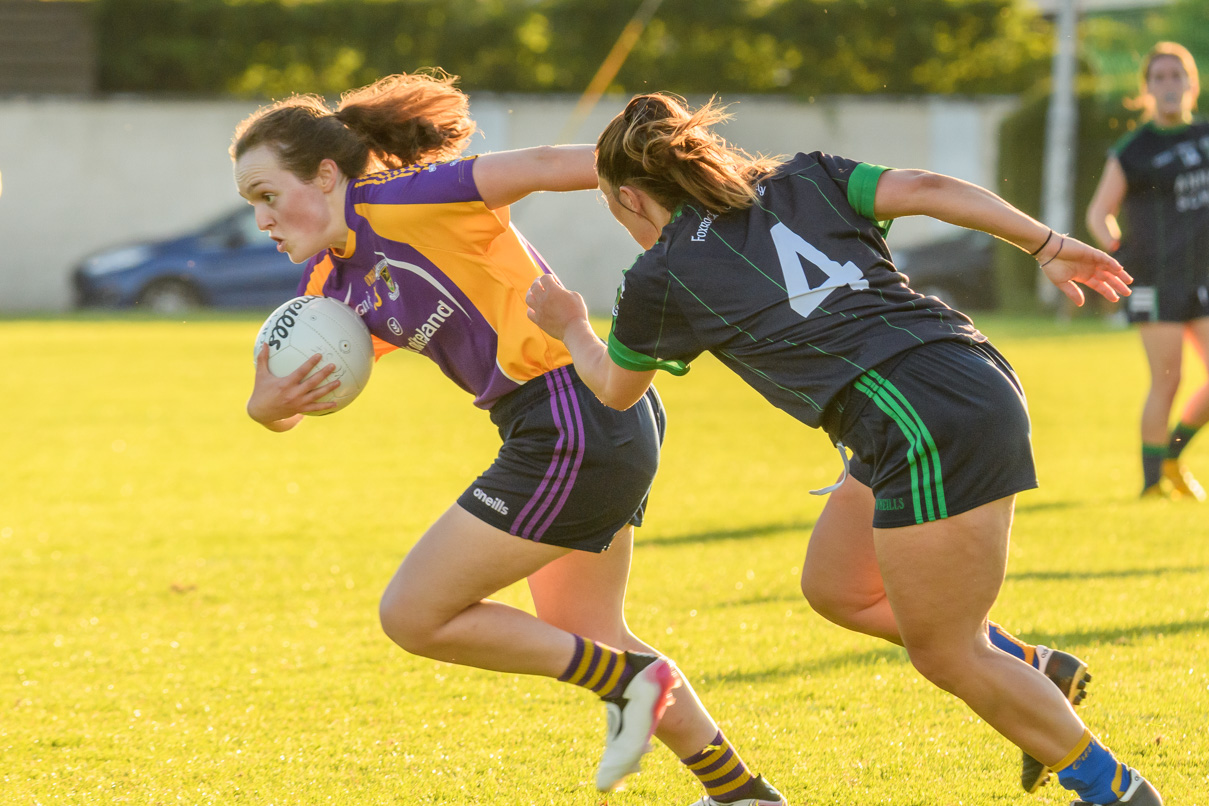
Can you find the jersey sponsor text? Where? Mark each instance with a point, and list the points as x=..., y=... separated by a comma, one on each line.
x=424, y=333
x=703, y=227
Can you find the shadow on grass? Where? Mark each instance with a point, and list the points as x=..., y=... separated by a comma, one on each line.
x=1044, y=506
x=717, y=535
x=1119, y=635
x=1072, y=640
x=806, y=525
x=1114, y=573
x=814, y=665
x=793, y=597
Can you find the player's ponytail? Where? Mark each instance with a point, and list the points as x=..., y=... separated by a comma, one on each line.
x=405, y=119
x=396, y=121
x=671, y=153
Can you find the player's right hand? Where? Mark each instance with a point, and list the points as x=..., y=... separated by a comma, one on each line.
x=553, y=306
x=280, y=403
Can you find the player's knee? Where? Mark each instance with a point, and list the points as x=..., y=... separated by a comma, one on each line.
x=940, y=666
x=817, y=597
x=1166, y=382
x=826, y=600
x=403, y=622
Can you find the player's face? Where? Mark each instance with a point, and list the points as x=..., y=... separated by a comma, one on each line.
x=295, y=213
x=1170, y=87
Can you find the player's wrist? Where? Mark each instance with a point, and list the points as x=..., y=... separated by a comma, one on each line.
x=1048, y=239
x=1049, y=253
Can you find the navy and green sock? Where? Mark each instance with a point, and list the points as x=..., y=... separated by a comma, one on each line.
x=1181, y=435
x=1152, y=464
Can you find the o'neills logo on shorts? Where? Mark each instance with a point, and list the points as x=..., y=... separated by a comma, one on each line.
x=495, y=503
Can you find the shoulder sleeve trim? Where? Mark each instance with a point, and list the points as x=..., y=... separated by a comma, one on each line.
x=1124, y=140
x=629, y=359
x=319, y=275
x=862, y=189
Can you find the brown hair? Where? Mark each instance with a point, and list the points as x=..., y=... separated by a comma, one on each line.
x=671, y=153
x=396, y=121
x=1144, y=101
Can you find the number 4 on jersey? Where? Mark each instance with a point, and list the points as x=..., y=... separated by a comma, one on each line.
x=792, y=249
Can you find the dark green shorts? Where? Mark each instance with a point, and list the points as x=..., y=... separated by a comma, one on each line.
x=572, y=472
x=1148, y=303
x=937, y=432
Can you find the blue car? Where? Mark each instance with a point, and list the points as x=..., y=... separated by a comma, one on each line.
x=228, y=263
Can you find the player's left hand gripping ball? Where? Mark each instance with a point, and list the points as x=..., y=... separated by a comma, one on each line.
x=306, y=326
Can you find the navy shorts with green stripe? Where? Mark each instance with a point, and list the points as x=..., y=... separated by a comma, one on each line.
x=938, y=431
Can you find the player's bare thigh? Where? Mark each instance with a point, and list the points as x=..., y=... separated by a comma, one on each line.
x=840, y=575
x=459, y=561
x=942, y=577
x=584, y=592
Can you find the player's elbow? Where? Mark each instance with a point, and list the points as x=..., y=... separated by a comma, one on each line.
x=619, y=399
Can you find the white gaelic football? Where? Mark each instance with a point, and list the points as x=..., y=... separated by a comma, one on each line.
x=306, y=326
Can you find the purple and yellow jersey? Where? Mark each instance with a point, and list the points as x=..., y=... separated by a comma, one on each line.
x=431, y=269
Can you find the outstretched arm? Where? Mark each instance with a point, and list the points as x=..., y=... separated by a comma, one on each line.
x=505, y=177
x=562, y=313
x=1065, y=260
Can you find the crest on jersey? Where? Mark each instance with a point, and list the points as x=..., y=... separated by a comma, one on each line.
x=382, y=272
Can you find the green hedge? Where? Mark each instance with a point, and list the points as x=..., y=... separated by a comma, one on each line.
x=801, y=48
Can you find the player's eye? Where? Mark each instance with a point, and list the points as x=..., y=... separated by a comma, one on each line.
x=268, y=197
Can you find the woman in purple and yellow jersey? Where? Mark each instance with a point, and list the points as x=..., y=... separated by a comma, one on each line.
x=780, y=269
x=1157, y=179
x=390, y=220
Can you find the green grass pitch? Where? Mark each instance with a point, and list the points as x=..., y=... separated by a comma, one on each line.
x=188, y=603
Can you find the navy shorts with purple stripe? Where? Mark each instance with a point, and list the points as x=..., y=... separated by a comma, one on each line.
x=571, y=472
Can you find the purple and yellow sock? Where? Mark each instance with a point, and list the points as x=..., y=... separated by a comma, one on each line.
x=1180, y=435
x=1001, y=639
x=598, y=668
x=721, y=771
x=1093, y=772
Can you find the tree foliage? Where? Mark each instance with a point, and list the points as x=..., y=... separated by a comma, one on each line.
x=258, y=48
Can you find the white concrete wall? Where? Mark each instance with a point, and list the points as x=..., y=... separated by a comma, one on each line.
x=78, y=176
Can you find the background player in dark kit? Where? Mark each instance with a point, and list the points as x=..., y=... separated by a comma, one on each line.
x=1157, y=179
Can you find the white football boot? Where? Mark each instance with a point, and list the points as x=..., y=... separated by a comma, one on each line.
x=632, y=719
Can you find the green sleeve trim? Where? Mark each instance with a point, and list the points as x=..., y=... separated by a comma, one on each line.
x=1124, y=140
x=862, y=189
x=629, y=359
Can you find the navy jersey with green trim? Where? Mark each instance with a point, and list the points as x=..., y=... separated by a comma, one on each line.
x=1165, y=212
x=797, y=294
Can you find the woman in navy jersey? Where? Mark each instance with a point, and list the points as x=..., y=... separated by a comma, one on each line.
x=1156, y=180
x=781, y=271
x=375, y=198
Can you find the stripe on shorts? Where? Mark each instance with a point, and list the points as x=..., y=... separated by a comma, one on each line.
x=540, y=511
x=927, y=483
